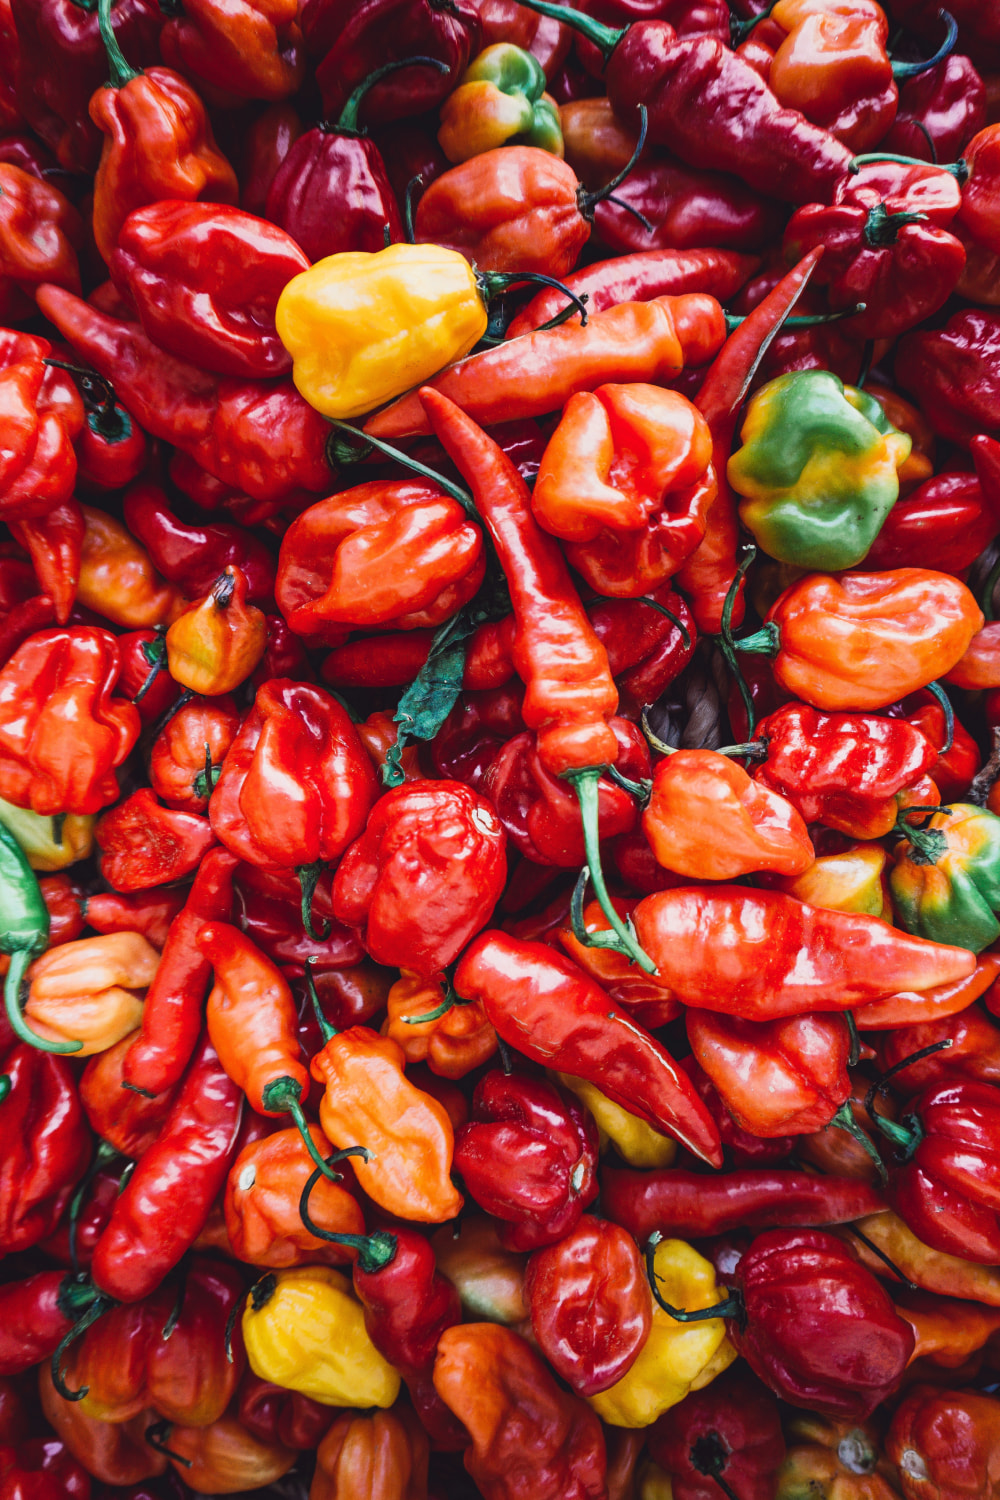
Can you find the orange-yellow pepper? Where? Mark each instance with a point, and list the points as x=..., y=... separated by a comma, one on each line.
x=383, y=1456
x=451, y=1044
x=117, y=578
x=89, y=990
x=214, y=646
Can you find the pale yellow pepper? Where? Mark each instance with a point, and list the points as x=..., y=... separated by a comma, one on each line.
x=677, y=1357
x=489, y=1278
x=634, y=1140
x=652, y=1482
x=305, y=1330
x=362, y=328
x=50, y=843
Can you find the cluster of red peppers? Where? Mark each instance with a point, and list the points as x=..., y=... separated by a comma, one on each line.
x=500, y=749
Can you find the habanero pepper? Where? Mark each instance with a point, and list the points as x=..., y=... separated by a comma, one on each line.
x=276, y=1415
x=686, y=208
x=188, y=752
x=974, y=1051
x=253, y=52
x=946, y=1439
x=939, y=111
x=269, y=905
x=261, y=1204
x=950, y=373
x=214, y=646
x=46, y=1146
x=38, y=1312
x=89, y=989
x=740, y=1148
x=144, y=845
x=948, y=520
x=500, y=100
x=117, y=577
x=384, y=1453
x=40, y=234
x=39, y=465
x=195, y=555
x=731, y=1431
x=945, y=880
x=129, y=1121
x=224, y=1457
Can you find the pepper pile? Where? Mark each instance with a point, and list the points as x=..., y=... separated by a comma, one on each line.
x=499, y=750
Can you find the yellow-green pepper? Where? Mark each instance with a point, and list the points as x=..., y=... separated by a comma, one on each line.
x=677, y=1357
x=305, y=1330
x=849, y=881
x=946, y=879
x=634, y=1140
x=50, y=843
x=500, y=100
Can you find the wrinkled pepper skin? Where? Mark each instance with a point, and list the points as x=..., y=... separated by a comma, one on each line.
x=591, y=1309
x=945, y=882
x=818, y=469
x=732, y=1428
x=500, y=99
x=819, y=1330
x=46, y=1146
x=253, y=51
x=261, y=1204
x=144, y=845
x=528, y=1435
x=946, y=1444
x=529, y=1157
x=950, y=373
x=384, y=1454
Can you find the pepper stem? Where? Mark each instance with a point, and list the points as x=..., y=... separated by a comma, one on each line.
x=801, y=320
x=286, y=1094
x=674, y=620
x=325, y=1029
x=844, y=1120
x=586, y=201
x=740, y=30
x=729, y=647
x=492, y=283
x=156, y=1436
x=20, y=961
x=456, y=491
x=881, y=1255
x=732, y=1307
x=90, y=1315
x=958, y=169
x=120, y=69
x=604, y=38
x=308, y=881
x=652, y=737
x=585, y=784
x=906, y=1138
x=375, y=1251
x=451, y=999
x=882, y=228
x=904, y=70
x=640, y=790
x=709, y=1455
x=347, y=124
x=5, y=1087
x=938, y=692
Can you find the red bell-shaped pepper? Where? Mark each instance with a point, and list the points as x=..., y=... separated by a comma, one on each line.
x=144, y=845
x=731, y=1431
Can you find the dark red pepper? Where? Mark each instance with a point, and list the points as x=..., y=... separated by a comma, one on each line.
x=731, y=1431
x=939, y=111
x=45, y=1146
x=194, y=556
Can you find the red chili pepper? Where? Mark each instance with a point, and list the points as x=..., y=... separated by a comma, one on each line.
x=36, y=1314
x=939, y=111
x=947, y=521
x=274, y=1414
x=145, y=845
x=46, y=1146
x=43, y=1468
x=270, y=907
x=740, y=1147
x=195, y=555
x=729, y=1432
x=149, y=913
x=127, y=1120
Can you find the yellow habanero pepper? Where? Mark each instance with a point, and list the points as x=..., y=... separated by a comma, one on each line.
x=677, y=1357
x=634, y=1140
x=50, y=843
x=362, y=328
x=305, y=1330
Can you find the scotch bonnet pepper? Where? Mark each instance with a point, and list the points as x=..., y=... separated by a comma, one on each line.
x=818, y=470
x=945, y=881
x=500, y=98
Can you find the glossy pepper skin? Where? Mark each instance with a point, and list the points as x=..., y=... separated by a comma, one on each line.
x=88, y=990
x=167, y=1199
x=38, y=1312
x=144, y=845
x=591, y=1309
x=62, y=732
x=46, y=1146
x=819, y=1330
x=452, y=1044
x=761, y=955
x=193, y=556
x=944, y=880
x=528, y=1435
x=707, y=820
x=408, y=1304
x=253, y=51
x=547, y=1007
x=424, y=876
x=914, y=622
x=626, y=481
x=686, y=207
x=388, y=553
x=199, y=733
x=214, y=646
x=39, y=465
x=944, y=1442
x=818, y=470
x=205, y=281
x=939, y=111
x=843, y=770
x=276, y=1415
x=500, y=100
x=528, y=1156
x=45, y=1468
x=126, y=1119
x=972, y=1054
x=314, y=802
x=40, y=234
x=385, y=1453
x=949, y=372
x=261, y=1204
x=947, y=520
x=732, y=1429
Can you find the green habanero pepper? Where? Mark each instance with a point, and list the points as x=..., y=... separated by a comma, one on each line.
x=24, y=933
x=818, y=470
x=946, y=879
x=500, y=100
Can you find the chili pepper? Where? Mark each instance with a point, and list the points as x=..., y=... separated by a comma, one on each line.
x=143, y=844
x=384, y=1453
x=853, y=880
x=548, y=1008
x=261, y=1205
x=843, y=770
x=153, y=1223
x=634, y=1140
x=38, y=1312
x=949, y=1275
x=500, y=100
x=910, y=1009
x=948, y=371
x=591, y=1311
x=270, y=909
x=943, y=880
x=408, y=1303
x=453, y=1042
x=222, y=1457
x=546, y=40
x=529, y=1437
x=44, y=1468
x=729, y=1432
x=348, y=41
x=972, y=1051
x=158, y=142
x=918, y=623
x=276, y=1415
x=87, y=989
x=113, y=1452
x=477, y=728
x=195, y=555
x=54, y=543
x=129, y=1122
x=528, y=1156
x=625, y=480
x=839, y=1456
x=63, y=902
x=254, y=52
x=144, y=677
x=188, y=752
x=266, y=143
x=979, y=667
x=49, y=843
x=117, y=577
x=685, y=208
x=675, y=1358
x=939, y=111
x=46, y=1146
x=389, y=553
x=370, y=1102
x=639, y=278
x=304, y=1330
x=947, y=520
x=706, y=819
x=259, y=437
x=24, y=620
x=40, y=233
x=56, y=678
x=284, y=655
x=296, y=785
x=740, y=1148
x=818, y=501
x=39, y=465
x=678, y=1202
x=648, y=341
x=489, y=1278
x=213, y=647
x=945, y=1440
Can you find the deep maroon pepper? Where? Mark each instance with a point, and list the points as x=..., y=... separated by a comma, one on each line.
x=168, y=1198
x=953, y=373
x=478, y=726
x=72, y=1243
x=974, y=1051
x=194, y=556
x=741, y=1148
x=939, y=112
x=35, y=1316
x=144, y=676
x=284, y=655
x=276, y=1415
x=529, y=1157
x=265, y=146
x=687, y=208
x=955, y=766
x=410, y=149
x=729, y=1431
x=349, y=40
x=269, y=903
x=24, y=151
x=646, y=647
x=45, y=1148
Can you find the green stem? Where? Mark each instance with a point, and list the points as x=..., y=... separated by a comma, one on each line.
x=604, y=38
x=97, y=1308
x=347, y=124
x=844, y=1120
x=938, y=692
x=119, y=67
x=456, y=491
x=801, y=320
x=640, y=790
x=156, y=1436
x=903, y=70
x=5, y=1087
x=663, y=610
x=726, y=643
x=740, y=30
x=881, y=1255
x=854, y=1055
x=653, y=738
x=326, y=1031
x=375, y=1251
x=308, y=880
x=958, y=169
x=20, y=962
x=492, y=283
x=588, y=201
x=585, y=784
x=732, y=1307
x=286, y=1094
x=451, y=999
